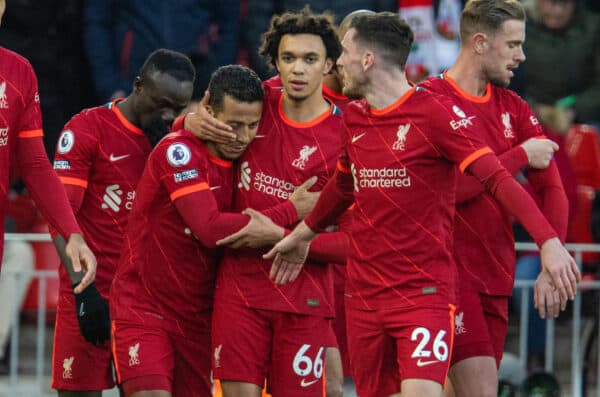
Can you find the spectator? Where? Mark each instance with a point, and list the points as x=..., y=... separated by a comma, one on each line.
x=259, y=14
x=561, y=78
x=119, y=36
x=49, y=34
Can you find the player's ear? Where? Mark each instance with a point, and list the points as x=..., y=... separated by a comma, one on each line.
x=137, y=85
x=480, y=43
x=328, y=66
x=368, y=60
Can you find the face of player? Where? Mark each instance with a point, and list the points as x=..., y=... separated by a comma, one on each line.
x=350, y=66
x=555, y=14
x=302, y=63
x=159, y=99
x=504, y=52
x=243, y=118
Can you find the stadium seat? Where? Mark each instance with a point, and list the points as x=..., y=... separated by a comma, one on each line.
x=583, y=149
x=46, y=258
x=579, y=227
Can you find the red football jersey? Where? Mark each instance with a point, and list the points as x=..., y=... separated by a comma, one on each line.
x=483, y=239
x=283, y=155
x=403, y=161
x=164, y=269
x=21, y=140
x=102, y=152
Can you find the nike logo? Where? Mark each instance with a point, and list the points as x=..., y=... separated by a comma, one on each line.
x=357, y=137
x=304, y=383
x=215, y=187
x=117, y=158
x=81, y=311
x=424, y=363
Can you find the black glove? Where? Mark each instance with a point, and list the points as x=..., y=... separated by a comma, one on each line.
x=92, y=315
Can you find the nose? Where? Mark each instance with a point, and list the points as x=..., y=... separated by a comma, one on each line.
x=168, y=116
x=520, y=55
x=243, y=135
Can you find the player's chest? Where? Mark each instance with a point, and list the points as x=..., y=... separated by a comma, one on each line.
x=11, y=109
x=120, y=161
x=495, y=124
x=220, y=180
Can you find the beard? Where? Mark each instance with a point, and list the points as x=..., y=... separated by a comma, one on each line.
x=155, y=130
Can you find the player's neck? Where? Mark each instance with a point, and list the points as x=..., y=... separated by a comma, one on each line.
x=305, y=110
x=468, y=75
x=332, y=83
x=386, y=88
x=126, y=108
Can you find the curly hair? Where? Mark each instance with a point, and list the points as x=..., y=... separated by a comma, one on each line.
x=302, y=22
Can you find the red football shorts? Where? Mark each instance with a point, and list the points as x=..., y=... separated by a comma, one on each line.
x=339, y=328
x=77, y=364
x=388, y=346
x=150, y=358
x=481, y=325
x=251, y=345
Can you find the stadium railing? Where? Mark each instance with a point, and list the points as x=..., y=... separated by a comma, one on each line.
x=38, y=386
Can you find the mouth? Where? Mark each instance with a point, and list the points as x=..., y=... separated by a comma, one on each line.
x=297, y=85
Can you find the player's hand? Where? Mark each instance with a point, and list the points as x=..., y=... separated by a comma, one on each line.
x=561, y=268
x=303, y=200
x=290, y=254
x=260, y=231
x=539, y=152
x=204, y=126
x=546, y=298
x=82, y=259
x=92, y=315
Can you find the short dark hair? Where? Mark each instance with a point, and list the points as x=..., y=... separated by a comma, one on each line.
x=488, y=15
x=302, y=22
x=239, y=82
x=173, y=63
x=387, y=33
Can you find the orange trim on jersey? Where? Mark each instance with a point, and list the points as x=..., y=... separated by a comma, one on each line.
x=306, y=124
x=332, y=94
x=452, y=313
x=113, y=345
x=54, y=346
x=31, y=133
x=389, y=108
x=343, y=169
x=218, y=161
x=465, y=94
x=128, y=124
x=472, y=157
x=67, y=180
x=188, y=189
x=541, y=137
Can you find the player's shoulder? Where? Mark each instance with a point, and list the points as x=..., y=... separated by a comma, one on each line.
x=179, y=148
x=507, y=95
x=11, y=58
x=88, y=120
x=435, y=83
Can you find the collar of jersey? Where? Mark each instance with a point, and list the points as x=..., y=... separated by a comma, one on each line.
x=332, y=94
x=395, y=105
x=306, y=124
x=465, y=94
x=218, y=161
x=128, y=124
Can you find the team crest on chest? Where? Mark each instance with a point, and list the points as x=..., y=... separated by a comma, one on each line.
x=508, y=132
x=305, y=153
x=401, y=136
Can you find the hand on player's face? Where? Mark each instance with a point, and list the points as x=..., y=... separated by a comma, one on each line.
x=206, y=127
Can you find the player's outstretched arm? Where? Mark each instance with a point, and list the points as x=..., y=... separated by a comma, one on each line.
x=555, y=259
x=534, y=153
x=290, y=254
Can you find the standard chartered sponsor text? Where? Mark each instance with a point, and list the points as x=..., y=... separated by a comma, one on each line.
x=273, y=186
x=383, y=177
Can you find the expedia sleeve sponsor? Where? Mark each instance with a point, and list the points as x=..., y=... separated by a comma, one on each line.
x=62, y=165
x=185, y=175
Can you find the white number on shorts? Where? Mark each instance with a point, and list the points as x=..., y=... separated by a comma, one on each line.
x=440, y=348
x=303, y=364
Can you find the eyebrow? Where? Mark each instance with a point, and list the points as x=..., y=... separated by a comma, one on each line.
x=310, y=53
